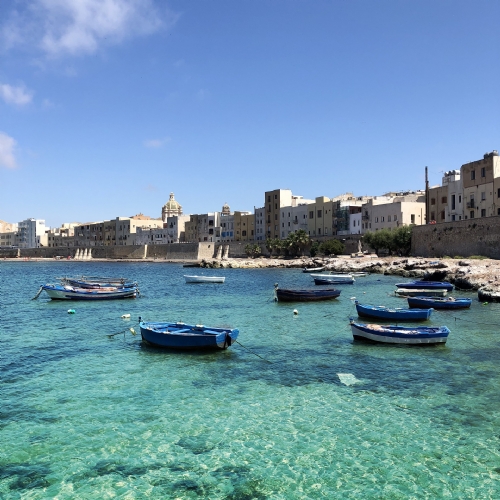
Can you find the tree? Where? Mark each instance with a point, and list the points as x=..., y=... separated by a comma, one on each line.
x=331, y=247
x=253, y=250
x=402, y=239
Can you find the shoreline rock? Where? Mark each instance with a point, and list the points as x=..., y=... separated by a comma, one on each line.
x=481, y=275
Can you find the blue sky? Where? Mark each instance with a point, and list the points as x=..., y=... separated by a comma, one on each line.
x=106, y=106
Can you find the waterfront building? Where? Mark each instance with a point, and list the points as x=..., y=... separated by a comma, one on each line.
x=31, y=233
x=393, y=210
x=320, y=217
x=481, y=186
x=204, y=227
x=62, y=236
x=347, y=213
x=243, y=226
x=260, y=224
x=9, y=239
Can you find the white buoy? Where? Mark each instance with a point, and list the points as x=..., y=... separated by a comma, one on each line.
x=295, y=311
x=71, y=311
x=125, y=316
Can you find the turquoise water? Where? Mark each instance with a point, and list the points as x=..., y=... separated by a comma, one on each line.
x=83, y=415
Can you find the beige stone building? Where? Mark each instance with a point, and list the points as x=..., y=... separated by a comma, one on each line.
x=393, y=210
x=320, y=217
x=481, y=186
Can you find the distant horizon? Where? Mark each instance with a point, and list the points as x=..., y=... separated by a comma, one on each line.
x=220, y=101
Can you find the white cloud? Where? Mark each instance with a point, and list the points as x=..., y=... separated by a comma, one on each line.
x=7, y=146
x=156, y=143
x=75, y=27
x=15, y=95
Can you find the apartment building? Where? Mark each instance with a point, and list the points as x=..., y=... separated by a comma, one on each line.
x=62, y=236
x=320, y=217
x=31, y=233
x=481, y=186
x=244, y=226
x=173, y=231
x=204, y=227
x=260, y=224
x=393, y=210
x=294, y=218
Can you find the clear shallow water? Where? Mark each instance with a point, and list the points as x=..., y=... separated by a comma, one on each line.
x=83, y=415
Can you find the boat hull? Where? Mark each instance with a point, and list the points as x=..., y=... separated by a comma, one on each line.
x=187, y=337
x=305, y=295
x=440, y=285
x=70, y=293
x=405, y=292
x=333, y=281
x=392, y=314
x=400, y=335
x=204, y=279
x=313, y=269
x=449, y=303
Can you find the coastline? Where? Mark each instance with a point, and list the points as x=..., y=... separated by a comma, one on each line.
x=481, y=275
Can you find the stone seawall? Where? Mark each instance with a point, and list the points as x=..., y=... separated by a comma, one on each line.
x=460, y=238
x=175, y=251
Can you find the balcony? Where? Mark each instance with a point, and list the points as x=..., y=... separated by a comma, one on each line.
x=470, y=204
x=365, y=217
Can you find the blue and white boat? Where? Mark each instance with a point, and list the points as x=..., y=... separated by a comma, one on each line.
x=391, y=334
x=333, y=280
x=439, y=303
x=337, y=278
x=67, y=292
x=183, y=336
x=440, y=285
x=393, y=313
x=305, y=294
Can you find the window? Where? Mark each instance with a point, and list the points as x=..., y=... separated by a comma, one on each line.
x=433, y=216
x=282, y=224
x=311, y=214
x=444, y=199
x=395, y=217
x=498, y=211
x=376, y=219
x=483, y=172
x=389, y=218
x=453, y=202
x=442, y=215
x=276, y=206
x=275, y=196
x=471, y=214
x=275, y=216
x=483, y=196
x=412, y=217
x=433, y=201
x=382, y=219
x=459, y=198
x=472, y=175
x=483, y=212
x=453, y=217
x=319, y=231
x=319, y=214
x=269, y=198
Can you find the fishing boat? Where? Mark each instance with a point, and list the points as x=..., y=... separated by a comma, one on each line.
x=313, y=269
x=204, y=279
x=334, y=280
x=391, y=334
x=439, y=303
x=67, y=292
x=183, y=336
x=84, y=283
x=394, y=313
x=420, y=292
x=304, y=295
x=432, y=285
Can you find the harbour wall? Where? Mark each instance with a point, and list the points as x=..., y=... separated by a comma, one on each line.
x=459, y=238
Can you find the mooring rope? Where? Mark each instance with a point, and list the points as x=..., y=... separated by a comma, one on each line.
x=254, y=353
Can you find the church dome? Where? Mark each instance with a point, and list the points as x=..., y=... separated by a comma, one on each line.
x=171, y=203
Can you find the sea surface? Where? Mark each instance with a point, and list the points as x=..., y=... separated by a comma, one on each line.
x=295, y=410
